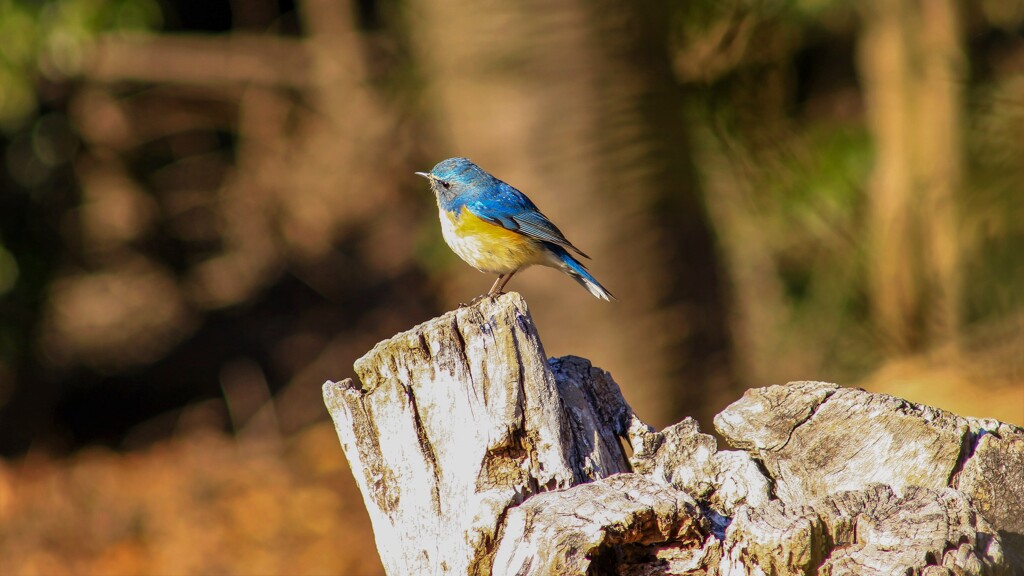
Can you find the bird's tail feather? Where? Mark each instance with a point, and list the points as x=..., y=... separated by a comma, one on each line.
x=578, y=271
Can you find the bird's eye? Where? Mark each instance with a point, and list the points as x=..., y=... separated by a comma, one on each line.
x=447, y=185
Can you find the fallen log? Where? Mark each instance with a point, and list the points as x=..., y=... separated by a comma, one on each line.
x=476, y=454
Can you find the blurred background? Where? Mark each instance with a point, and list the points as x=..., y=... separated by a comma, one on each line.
x=207, y=208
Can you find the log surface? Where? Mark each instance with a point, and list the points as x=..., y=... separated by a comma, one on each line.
x=458, y=420
x=476, y=454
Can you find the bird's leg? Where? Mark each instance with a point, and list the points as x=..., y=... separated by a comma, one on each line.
x=501, y=288
x=499, y=284
x=490, y=293
x=496, y=288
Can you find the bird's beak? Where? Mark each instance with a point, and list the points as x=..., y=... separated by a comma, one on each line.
x=424, y=174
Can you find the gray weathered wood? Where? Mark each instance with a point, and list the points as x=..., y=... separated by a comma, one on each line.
x=865, y=532
x=815, y=439
x=477, y=455
x=993, y=478
x=687, y=460
x=579, y=528
x=456, y=421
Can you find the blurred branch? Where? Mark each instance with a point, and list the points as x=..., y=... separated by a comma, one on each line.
x=292, y=190
x=303, y=116
x=719, y=50
x=200, y=60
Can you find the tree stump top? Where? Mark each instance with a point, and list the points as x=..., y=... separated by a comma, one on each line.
x=478, y=455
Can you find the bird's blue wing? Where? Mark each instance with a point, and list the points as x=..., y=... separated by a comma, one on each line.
x=511, y=209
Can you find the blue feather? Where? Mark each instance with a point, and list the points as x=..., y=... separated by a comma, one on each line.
x=505, y=206
x=578, y=272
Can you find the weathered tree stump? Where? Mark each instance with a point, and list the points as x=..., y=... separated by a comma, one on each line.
x=476, y=454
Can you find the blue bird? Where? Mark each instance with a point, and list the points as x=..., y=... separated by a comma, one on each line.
x=497, y=229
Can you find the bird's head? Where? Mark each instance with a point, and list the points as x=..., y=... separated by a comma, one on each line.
x=451, y=177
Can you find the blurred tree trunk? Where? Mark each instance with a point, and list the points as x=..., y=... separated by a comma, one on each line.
x=941, y=163
x=909, y=62
x=522, y=89
x=758, y=305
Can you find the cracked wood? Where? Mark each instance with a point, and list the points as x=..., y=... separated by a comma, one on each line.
x=459, y=419
x=477, y=455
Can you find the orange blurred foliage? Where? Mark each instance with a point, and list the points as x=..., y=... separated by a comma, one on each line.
x=201, y=504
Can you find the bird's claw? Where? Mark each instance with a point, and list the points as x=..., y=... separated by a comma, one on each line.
x=479, y=298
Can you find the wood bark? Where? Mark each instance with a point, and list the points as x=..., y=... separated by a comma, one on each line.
x=476, y=454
